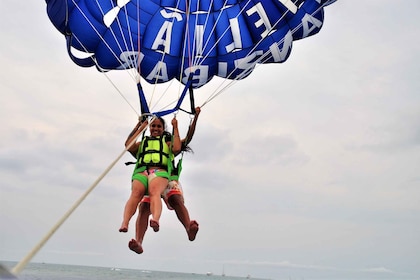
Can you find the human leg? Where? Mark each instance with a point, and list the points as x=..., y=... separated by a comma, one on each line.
x=137, y=191
x=142, y=220
x=176, y=201
x=141, y=227
x=156, y=187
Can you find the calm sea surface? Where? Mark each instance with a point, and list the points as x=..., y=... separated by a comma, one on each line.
x=41, y=271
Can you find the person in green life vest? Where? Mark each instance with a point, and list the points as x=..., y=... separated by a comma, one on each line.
x=150, y=174
x=173, y=197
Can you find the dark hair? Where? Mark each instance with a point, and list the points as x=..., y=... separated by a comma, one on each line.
x=186, y=148
x=167, y=136
x=162, y=121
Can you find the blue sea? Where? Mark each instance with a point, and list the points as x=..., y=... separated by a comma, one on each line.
x=43, y=271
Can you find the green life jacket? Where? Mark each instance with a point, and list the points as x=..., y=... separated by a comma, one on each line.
x=176, y=170
x=153, y=151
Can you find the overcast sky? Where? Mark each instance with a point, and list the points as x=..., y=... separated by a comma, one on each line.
x=310, y=168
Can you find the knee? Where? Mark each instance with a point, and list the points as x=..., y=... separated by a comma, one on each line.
x=175, y=201
x=144, y=208
x=137, y=188
x=157, y=186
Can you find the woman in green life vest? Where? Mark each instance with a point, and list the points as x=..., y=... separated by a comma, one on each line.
x=150, y=175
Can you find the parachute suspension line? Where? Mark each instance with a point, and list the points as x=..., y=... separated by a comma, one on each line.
x=186, y=40
x=141, y=93
x=182, y=88
x=128, y=45
x=120, y=93
x=112, y=30
x=144, y=108
x=102, y=39
x=21, y=265
x=175, y=100
x=213, y=30
x=173, y=19
x=204, y=45
x=131, y=40
x=138, y=40
x=219, y=90
x=227, y=28
x=190, y=89
x=133, y=76
x=198, y=57
x=109, y=79
x=222, y=87
x=179, y=102
x=197, y=51
x=225, y=5
x=136, y=73
x=188, y=51
x=129, y=33
x=188, y=37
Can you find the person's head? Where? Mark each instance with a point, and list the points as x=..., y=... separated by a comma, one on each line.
x=157, y=127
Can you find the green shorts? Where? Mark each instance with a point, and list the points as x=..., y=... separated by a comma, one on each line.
x=145, y=176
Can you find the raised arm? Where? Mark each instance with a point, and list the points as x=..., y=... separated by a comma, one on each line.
x=176, y=145
x=191, y=128
x=130, y=143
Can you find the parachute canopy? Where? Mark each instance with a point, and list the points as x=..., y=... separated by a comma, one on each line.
x=184, y=39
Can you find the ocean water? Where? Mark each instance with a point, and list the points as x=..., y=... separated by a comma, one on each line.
x=42, y=271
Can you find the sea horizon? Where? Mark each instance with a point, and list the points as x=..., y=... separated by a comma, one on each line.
x=56, y=271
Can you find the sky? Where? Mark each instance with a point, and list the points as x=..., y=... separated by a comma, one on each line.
x=306, y=169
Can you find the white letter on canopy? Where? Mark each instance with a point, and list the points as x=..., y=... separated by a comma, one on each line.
x=259, y=9
x=309, y=23
x=236, y=35
x=280, y=55
x=199, y=34
x=289, y=5
x=159, y=72
x=130, y=59
x=247, y=63
x=163, y=38
x=203, y=74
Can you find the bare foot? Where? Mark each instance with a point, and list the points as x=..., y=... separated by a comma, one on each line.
x=123, y=228
x=135, y=246
x=192, y=230
x=155, y=225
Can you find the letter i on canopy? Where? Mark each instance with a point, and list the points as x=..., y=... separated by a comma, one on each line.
x=289, y=5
